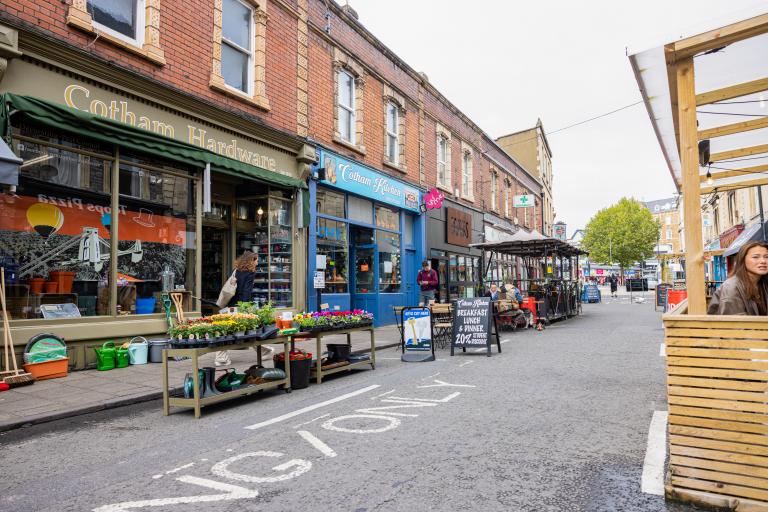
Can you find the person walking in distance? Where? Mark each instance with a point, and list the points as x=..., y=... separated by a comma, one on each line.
x=427, y=281
x=614, y=285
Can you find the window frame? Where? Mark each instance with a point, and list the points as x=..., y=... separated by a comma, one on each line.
x=140, y=28
x=494, y=189
x=467, y=191
x=250, y=82
x=392, y=157
x=351, y=108
x=508, y=198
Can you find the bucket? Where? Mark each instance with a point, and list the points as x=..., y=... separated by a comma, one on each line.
x=122, y=357
x=299, y=372
x=138, y=350
x=64, y=279
x=675, y=297
x=145, y=306
x=48, y=369
x=156, y=350
x=36, y=285
x=105, y=356
x=338, y=352
x=51, y=287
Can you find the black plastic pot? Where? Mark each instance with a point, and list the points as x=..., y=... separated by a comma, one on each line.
x=299, y=372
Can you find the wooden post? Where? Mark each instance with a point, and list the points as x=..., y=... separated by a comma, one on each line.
x=689, y=158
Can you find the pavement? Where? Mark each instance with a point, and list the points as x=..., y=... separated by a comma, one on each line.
x=558, y=421
x=89, y=391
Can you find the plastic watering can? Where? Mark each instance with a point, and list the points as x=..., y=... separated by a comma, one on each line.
x=105, y=356
x=122, y=358
x=138, y=350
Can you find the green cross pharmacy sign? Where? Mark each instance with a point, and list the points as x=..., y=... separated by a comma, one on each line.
x=524, y=201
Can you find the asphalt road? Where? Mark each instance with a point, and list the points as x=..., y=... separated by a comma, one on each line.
x=557, y=422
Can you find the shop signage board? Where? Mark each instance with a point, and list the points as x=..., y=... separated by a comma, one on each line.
x=458, y=227
x=524, y=201
x=358, y=179
x=473, y=320
x=416, y=334
x=661, y=295
x=433, y=199
x=319, y=279
x=68, y=310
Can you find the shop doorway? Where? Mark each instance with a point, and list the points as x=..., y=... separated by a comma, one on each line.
x=363, y=279
x=439, y=263
x=409, y=277
x=215, y=265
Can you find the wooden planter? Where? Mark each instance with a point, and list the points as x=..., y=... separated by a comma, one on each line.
x=717, y=384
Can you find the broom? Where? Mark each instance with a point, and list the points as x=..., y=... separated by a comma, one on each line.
x=16, y=377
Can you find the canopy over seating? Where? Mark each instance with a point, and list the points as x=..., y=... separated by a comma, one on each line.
x=532, y=244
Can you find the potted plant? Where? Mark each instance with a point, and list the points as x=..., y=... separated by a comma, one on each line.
x=266, y=314
x=253, y=323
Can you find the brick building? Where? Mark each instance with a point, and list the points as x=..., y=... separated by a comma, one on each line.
x=218, y=126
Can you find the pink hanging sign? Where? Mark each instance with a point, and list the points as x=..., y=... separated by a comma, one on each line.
x=433, y=199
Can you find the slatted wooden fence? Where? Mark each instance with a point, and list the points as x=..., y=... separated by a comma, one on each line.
x=717, y=383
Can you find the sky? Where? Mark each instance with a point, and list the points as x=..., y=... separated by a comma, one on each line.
x=508, y=63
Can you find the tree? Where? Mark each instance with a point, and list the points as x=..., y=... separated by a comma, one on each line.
x=625, y=232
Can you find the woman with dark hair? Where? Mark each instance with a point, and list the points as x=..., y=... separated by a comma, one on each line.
x=745, y=292
x=245, y=273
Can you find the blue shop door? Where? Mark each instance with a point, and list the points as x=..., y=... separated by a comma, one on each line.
x=409, y=278
x=364, y=275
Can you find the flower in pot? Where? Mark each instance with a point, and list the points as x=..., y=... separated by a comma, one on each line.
x=266, y=314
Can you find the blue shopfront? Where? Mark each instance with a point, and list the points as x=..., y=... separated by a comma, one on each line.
x=366, y=236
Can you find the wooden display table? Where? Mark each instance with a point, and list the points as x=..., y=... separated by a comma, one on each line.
x=317, y=371
x=197, y=402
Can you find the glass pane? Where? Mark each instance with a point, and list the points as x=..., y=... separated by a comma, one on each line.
x=118, y=15
x=281, y=252
x=387, y=218
x=389, y=261
x=64, y=168
x=330, y=203
x=364, y=271
x=346, y=89
x=54, y=239
x=234, y=67
x=392, y=118
x=360, y=210
x=157, y=238
x=237, y=23
x=332, y=242
x=345, y=124
x=393, y=152
x=408, y=231
x=452, y=268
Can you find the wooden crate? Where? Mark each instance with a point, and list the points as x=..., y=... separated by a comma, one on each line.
x=717, y=385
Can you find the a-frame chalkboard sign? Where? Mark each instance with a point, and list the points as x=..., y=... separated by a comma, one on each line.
x=473, y=325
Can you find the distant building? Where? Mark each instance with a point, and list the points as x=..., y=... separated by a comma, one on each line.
x=666, y=212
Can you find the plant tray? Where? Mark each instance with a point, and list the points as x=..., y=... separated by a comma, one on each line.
x=48, y=369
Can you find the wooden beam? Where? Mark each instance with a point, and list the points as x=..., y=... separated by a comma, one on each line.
x=722, y=36
x=689, y=159
x=730, y=129
x=744, y=171
x=735, y=153
x=733, y=91
x=735, y=186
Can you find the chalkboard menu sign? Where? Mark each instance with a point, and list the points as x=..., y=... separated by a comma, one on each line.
x=661, y=295
x=472, y=321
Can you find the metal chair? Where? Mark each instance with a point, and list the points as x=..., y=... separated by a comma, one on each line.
x=442, y=324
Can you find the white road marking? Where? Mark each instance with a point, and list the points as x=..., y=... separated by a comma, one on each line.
x=442, y=384
x=317, y=443
x=221, y=468
x=230, y=450
x=653, y=466
x=172, y=471
x=312, y=420
x=312, y=407
x=663, y=350
x=383, y=394
x=465, y=364
x=440, y=401
x=331, y=424
x=232, y=492
x=431, y=376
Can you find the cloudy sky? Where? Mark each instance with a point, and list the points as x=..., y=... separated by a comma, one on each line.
x=508, y=63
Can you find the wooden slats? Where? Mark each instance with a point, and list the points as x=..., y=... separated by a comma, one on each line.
x=730, y=129
x=735, y=153
x=733, y=91
x=717, y=387
x=735, y=172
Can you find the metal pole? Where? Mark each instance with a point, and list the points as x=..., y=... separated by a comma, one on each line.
x=760, y=205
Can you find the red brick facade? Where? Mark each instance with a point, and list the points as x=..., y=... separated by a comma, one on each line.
x=186, y=41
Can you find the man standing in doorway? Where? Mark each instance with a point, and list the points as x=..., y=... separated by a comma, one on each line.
x=427, y=281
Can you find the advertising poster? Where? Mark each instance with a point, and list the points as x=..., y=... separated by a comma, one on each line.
x=417, y=329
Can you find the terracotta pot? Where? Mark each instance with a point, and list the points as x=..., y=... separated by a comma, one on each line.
x=36, y=285
x=65, y=280
x=51, y=287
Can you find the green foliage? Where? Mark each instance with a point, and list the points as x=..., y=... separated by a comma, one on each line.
x=625, y=231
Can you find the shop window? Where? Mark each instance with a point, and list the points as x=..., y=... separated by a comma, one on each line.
x=387, y=218
x=330, y=203
x=360, y=210
x=239, y=50
x=133, y=25
x=55, y=229
x=389, y=261
x=156, y=233
x=332, y=243
x=443, y=158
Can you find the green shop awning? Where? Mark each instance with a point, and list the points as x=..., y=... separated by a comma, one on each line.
x=85, y=124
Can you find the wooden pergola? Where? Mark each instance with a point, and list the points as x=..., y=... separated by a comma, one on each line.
x=706, y=98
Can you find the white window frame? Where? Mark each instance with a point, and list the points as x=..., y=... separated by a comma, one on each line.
x=350, y=108
x=140, y=6
x=466, y=174
x=494, y=188
x=237, y=47
x=669, y=234
x=507, y=198
x=393, y=107
x=443, y=142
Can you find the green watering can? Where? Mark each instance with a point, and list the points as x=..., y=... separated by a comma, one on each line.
x=122, y=357
x=105, y=356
